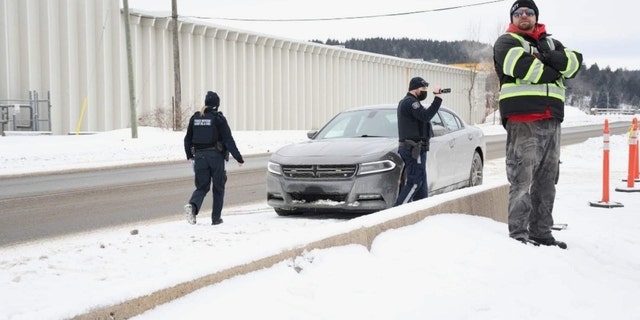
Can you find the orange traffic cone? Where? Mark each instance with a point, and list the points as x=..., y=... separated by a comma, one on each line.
x=633, y=159
x=605, y=203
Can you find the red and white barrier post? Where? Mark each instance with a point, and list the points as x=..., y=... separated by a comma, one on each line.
x=637, y=176
x=633, y=159
x=605, y=203
x=633, y=155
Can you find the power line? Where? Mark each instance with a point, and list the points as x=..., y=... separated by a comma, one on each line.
x=349, y=18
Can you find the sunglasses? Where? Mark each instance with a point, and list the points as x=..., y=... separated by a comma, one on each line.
x=521, y=12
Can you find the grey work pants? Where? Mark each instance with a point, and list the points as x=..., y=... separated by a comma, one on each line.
x=532, y=162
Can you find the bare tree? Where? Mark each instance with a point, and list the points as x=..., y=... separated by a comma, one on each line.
x=474, y=31
x=493, y=83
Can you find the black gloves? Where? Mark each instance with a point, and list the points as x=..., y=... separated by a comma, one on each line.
x=544, y=46
x=552, y=58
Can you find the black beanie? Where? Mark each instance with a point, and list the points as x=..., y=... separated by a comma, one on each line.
x=416, y=83
x=524, y=3
x=212, y=99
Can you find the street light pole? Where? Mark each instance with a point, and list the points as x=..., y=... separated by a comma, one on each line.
x=132, y=91
x=177, y=112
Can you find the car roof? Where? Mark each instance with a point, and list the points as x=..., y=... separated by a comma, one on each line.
x=383, y=106
x=373, y=107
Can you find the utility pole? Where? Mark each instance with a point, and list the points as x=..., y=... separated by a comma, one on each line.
x=177, y=112
x=132, y=91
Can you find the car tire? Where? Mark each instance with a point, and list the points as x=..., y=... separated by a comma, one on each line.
x=475, y=176
x=284, y=213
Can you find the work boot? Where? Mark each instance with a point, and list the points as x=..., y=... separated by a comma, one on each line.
x=217, y=221
x=550, y=241
x=527, y=241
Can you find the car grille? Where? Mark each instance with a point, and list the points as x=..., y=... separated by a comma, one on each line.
x=320, y=171
x=309, y=198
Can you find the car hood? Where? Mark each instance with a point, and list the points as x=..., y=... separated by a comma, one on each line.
x=335, y=151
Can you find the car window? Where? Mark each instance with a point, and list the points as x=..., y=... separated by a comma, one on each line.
x=336, y=128
x=437, y=125
x=392, y=117
x=362, y=123
x=378, y=124
x=450, y=121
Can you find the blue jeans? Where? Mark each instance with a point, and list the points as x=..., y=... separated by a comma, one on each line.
x=209, y=171
x=415, y=170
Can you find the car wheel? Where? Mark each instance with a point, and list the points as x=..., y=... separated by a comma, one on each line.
x=284, y=213
x=475, y=178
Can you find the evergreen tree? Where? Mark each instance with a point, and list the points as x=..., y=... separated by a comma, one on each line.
x=593, y=86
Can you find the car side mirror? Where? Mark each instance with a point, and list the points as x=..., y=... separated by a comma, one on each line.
x=311, y=134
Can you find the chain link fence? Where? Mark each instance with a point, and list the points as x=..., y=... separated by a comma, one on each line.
x=22, y=116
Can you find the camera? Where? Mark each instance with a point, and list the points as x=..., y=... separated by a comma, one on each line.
x=444, y=90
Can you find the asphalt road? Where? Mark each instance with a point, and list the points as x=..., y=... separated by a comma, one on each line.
x=42, y=206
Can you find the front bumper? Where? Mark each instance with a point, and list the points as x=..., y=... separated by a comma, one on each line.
x=364, y=193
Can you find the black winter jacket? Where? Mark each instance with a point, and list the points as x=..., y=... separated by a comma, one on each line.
x=414, y=120
x=535, y=67
x=205, y=130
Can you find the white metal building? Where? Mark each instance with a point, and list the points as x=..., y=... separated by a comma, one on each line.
x=74, y=50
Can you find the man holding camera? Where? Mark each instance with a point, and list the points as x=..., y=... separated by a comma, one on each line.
x=414, y=132
x=532, y=68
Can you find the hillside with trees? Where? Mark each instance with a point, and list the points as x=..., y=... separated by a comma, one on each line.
x=592, y=88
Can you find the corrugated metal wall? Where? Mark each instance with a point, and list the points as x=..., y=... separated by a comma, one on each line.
x=76, y=50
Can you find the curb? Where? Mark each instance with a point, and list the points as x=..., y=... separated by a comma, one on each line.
x=490, y=202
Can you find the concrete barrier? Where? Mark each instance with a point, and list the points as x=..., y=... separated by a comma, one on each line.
x=487, y=201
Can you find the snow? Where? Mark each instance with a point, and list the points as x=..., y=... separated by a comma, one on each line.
x=448, y=266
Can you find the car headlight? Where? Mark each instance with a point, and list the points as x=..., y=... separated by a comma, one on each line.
x=274, y=168
x=376, y=166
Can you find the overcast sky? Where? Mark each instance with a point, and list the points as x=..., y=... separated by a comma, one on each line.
x=606, y=32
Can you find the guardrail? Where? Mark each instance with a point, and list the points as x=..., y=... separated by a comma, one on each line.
x=613, y=111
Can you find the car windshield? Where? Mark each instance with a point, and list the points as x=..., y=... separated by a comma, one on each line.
x=362, y=123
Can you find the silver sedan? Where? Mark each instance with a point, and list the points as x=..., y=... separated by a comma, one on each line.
x=352, y=164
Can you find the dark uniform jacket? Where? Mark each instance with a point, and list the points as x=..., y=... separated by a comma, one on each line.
x=206, y=130
x=531, y=68
x=414, y=120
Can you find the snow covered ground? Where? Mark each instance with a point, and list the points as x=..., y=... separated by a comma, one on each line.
x=449, y=266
